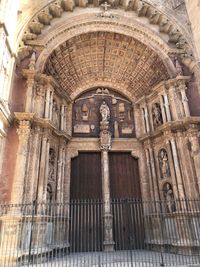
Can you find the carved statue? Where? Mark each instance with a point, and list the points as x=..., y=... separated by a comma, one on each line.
x=169, y=197
x=52, y=158
x=178, y=66
x=49, y=193
x=105, y=112
x=55, y=113
x=164, y=164
x=157, y=115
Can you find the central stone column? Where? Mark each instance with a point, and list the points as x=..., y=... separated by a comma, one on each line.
x=105, y=146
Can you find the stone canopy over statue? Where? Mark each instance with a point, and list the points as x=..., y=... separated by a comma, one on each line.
x=105, y=112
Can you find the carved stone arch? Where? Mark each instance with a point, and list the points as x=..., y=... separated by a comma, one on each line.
x=118, y=88
x=137, y=31
x=46, y=13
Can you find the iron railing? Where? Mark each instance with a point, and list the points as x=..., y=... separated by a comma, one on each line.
x=144, y=233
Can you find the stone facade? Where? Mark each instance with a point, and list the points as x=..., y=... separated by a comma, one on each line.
x=132, y=49
x=136, y=52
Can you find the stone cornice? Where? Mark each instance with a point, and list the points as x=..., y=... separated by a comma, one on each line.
x=43, y=123
x=46, y=124
x=182, y=124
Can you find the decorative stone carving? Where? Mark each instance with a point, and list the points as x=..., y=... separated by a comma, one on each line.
x=49, y=193
x=164, y=164
x=102, y=104
x=169, y=197
x=105, y=112
x=157, y=115
x=105, y=140
x=55, y=114
x=85, y=112
x=178, y=67
x=52, y=158
x=32, y=62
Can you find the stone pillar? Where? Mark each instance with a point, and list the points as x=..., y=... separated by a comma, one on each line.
x=20, y=169
x=186, y=165
x=138, y=118
x=154, y=174
x=51, y=105
x=150, y=174
x=167, y=109
x=63, y=175
x=69, y=119
x=62, y=117
x=39, y=100
x=172, y=170
x=146, y=114
x=193, y=135
x=177, y=168
x=59, y=173
x=105, y=146
x=29, y=94
x=184, y=100
x=46, y=175
x=42, y=169
x=33, y=165
x=108, y=218
x=47, y=104
x=162, y=108
x=174, y=103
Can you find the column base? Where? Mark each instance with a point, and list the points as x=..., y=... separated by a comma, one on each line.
x=108, y=246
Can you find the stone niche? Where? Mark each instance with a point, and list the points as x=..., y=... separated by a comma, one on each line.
x=86, y=115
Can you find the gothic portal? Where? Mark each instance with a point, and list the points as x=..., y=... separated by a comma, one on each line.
x=102, y=109
x=104, y=105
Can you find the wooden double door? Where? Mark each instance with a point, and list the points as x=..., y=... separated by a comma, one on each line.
x=86, y=227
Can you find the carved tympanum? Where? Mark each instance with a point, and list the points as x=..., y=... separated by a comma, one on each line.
x=103, y=105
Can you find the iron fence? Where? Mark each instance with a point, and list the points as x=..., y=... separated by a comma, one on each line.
x=144, y=233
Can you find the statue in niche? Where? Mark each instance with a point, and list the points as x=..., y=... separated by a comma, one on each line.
x=49, y=193
x=52, y=158
x=77, y=113
x=55, y=113
x=85, y=112
x=105, y=112
x=157, y=115
x=178, y=66
x=169, y=197
x=164, y=164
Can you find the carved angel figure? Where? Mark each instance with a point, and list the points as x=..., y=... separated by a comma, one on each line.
x=105, y=112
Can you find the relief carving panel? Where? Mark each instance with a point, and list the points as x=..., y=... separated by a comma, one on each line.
x=87, y=114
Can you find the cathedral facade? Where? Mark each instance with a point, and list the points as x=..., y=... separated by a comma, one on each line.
x=99, y=100
x=71, y=57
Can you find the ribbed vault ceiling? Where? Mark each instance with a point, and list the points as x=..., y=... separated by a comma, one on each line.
x=106, y=57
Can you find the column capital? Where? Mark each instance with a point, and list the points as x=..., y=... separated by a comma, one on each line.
x=24, y=130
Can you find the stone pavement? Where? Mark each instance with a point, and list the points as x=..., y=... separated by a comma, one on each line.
x=119, y=259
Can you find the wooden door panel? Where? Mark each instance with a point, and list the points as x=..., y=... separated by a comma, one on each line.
x=124, y=176
x=86, y=176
